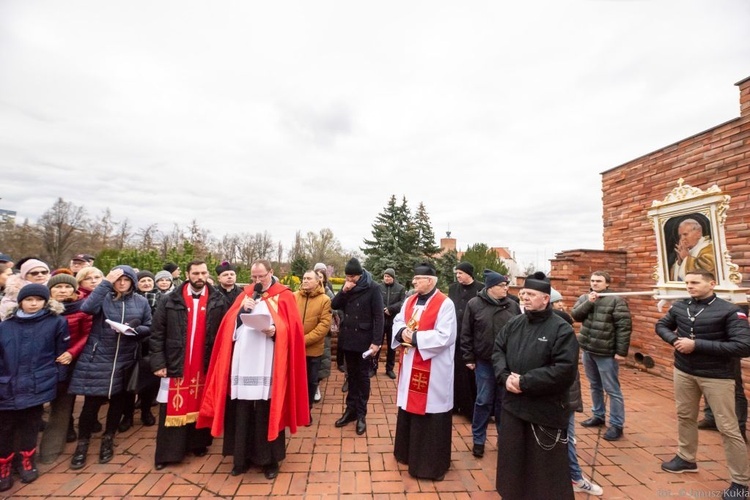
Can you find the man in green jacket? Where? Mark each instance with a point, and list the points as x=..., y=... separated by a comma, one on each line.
x=604, y=339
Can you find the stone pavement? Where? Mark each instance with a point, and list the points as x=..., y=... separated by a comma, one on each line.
x=326, y=462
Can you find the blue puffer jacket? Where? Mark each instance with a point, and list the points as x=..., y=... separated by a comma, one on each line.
x=28, y=349
x=104, y=365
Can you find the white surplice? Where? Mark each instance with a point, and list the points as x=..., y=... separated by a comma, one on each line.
x=437, y=345
x=252, y=361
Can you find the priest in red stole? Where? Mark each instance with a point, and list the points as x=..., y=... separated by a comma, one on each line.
x=182, y=335
x=257, y=379
x=426, y=328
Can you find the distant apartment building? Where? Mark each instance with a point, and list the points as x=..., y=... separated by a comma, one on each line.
x=7, y=216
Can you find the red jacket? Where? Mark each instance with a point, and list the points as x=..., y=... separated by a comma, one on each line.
x=79, y=326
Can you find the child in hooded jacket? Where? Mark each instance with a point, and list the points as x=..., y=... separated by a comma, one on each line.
x=31, y=340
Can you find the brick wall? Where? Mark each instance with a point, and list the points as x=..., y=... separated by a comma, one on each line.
x=721, y=156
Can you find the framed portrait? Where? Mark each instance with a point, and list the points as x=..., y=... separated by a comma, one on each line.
x=689, y=230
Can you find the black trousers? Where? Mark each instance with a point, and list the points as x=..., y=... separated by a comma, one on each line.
x=90, y=413
x=246, y=434
x=20, y=426
x=313, y=366
x=358, y=372
x=390, y=354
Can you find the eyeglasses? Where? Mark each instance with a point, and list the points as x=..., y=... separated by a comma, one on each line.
x=37, y=273
x=258, y=277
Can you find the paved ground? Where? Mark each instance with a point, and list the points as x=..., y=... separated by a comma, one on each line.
x=325, y=462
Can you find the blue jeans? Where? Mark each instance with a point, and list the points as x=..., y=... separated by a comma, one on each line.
x=488, y=399
x=576, y=474
x=603, y=374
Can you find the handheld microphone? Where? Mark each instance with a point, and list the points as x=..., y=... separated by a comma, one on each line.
x=257, y=291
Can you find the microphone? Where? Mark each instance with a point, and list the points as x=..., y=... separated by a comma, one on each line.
x=257, y=291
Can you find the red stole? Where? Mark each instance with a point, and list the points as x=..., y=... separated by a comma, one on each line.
x=419, y=380
x=186, y=392
x=289, y=406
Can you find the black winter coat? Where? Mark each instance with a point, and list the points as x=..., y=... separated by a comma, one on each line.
x=461, y=295
x=169, y=330
x=484, y=317
x=362, y=315
x=542, y=348
x=393, y=298
x=104, y=365
x=721, y=332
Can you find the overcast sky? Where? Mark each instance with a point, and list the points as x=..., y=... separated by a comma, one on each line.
x=284, y=116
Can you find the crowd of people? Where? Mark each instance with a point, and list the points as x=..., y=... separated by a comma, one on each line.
x=244, y=363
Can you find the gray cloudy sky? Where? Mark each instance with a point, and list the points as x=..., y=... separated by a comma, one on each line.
x=284, y=116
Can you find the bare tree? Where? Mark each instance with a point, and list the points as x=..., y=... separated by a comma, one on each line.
x=102, y=232
x=322, y=247
x=199, y=237
x=61, y=231
x=122, y=239
x=19, y=240
x=147, y=237
x=228, y=248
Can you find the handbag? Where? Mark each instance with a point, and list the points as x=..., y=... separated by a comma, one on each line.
x=139, y=374
x=335, y=322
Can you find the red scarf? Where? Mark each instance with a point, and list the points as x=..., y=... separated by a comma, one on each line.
x=186, y=392
x=419, y=381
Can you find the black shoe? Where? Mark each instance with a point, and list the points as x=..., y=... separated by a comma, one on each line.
x=26, y=467
x=78, y=460
x=361, y=426
x=677, y=466
x=347, y=417
x=342, y=369
x=345, y=387
x=736, y=491
x=707, y=424
x=71, y=436
x=160, y=466
x=372, y=373
x=96, y=428
x=239, y=470
x=147, y=418
x=126, y=423
x=271, y=470
x=391, y=374
x=478, y=450
x=200, y=452
x=593, y=422
x=6, y=473
x=613, y=433
x=107, y=451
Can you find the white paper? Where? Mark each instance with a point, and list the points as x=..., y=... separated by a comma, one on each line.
x=121, y=327
x=256, y=321
x=368, y=353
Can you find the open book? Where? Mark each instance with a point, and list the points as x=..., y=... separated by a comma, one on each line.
x=121, y=327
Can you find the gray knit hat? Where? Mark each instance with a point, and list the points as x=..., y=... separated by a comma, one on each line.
x=62, y=278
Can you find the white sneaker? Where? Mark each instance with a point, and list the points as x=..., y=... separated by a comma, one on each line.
x=586, y=486
x=317, y=397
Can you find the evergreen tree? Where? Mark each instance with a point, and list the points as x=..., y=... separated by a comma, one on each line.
x=425, y=236
x=445, y=266
x=483, y=257
x=393, y=243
